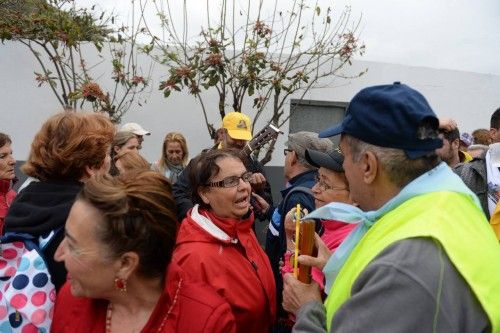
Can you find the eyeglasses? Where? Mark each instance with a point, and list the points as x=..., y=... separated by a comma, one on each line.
x=232, y=181
x=286, y=151
x=325, y=187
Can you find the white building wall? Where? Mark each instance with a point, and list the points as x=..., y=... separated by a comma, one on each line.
x=470, y=98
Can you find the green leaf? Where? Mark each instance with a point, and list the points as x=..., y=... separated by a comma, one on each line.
x=213, y=80
x=172, y=56
x=318, y=10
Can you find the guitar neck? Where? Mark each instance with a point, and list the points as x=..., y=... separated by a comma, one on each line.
x=246, y=151
x=260, y=139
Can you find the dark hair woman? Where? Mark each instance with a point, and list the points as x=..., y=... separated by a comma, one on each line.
x=216, y=243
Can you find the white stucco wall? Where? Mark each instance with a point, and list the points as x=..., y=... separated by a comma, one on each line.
x=470, y=98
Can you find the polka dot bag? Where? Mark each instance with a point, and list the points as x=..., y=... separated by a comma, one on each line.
x=27, y=295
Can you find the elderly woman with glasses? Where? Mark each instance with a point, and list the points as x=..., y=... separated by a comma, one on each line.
x=331, y=186
x=216, y=243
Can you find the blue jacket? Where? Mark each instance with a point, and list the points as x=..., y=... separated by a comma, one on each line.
x=276, y=244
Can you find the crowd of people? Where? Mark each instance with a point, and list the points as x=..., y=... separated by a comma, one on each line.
x=405, y=209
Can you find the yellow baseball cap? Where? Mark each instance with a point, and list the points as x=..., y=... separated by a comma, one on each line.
x=238, y=126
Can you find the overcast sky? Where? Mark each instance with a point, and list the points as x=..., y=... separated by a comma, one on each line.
x=450, y=34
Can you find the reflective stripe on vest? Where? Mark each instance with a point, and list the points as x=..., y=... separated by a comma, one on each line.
x=456, y=223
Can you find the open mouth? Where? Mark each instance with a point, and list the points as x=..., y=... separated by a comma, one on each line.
x=242, y=200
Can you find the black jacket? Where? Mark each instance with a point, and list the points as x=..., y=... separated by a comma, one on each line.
x=182, y=189
x=39, y=209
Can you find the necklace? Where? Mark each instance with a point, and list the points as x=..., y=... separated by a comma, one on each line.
x=109, y=311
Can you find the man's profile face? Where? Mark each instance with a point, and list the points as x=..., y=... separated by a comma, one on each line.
x=446, y=151
x=228, y=142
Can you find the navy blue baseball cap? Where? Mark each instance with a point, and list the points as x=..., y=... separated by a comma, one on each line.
x=391, y=116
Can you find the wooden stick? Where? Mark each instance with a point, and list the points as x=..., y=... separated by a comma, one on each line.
x=297, y=232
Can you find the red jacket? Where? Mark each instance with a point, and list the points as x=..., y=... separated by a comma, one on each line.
x=225, y=254
x=7, y=195
x=198, y=309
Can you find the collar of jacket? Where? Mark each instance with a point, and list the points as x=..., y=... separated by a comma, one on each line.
x=225, y=229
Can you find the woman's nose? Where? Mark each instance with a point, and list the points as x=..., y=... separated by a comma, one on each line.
x=59, y=254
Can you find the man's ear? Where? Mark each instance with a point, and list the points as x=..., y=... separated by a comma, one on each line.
x=127, y=264
x=293, y=157
x=370, y=167
x=223, y=136
x=493, y=133
x=455, y=144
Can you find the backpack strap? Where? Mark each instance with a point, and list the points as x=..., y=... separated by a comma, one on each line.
x=297, y=189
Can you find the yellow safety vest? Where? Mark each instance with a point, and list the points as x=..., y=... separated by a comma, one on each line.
x=456, y=223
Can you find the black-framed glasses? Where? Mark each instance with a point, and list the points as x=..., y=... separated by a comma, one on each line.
x=232, y=181
x=325, y=187
x=286, y=151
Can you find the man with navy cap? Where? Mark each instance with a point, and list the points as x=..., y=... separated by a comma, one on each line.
x=422, y=256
